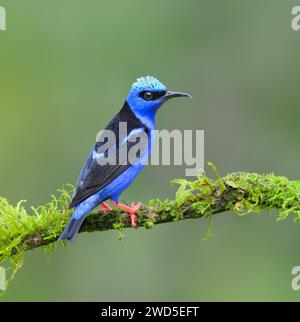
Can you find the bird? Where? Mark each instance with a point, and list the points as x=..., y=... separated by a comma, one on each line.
x=99, y=182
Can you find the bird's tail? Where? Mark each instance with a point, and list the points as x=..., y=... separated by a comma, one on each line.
x=73, y=226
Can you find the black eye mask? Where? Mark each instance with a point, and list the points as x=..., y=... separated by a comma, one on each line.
x=155, y=95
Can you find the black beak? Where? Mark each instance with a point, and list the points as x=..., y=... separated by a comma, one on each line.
x=171, y=94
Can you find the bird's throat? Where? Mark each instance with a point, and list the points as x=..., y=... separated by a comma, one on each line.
x=147, y=118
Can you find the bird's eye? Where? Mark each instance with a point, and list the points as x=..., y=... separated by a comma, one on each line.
x=148, y=96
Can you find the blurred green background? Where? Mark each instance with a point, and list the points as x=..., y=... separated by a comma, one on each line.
x=65, y=69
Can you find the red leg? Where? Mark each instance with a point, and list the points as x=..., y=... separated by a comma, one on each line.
x=131, y=210
x=105, y=207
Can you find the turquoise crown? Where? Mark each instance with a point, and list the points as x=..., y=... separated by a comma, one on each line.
x=148, y=82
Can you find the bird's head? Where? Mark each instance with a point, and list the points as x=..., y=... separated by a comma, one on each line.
x=147, y=94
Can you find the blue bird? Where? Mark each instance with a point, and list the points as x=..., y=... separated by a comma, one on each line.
x=99, y=182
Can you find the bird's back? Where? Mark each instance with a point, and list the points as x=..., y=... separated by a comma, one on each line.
x=94, y=176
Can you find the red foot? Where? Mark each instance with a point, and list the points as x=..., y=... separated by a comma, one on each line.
x=131, y=210
x=105, y=207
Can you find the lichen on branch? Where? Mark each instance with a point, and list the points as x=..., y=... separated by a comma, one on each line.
x=240, y=193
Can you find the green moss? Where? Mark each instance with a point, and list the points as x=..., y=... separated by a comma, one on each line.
x=148, y=224
x=16, y=226
x=241, y=193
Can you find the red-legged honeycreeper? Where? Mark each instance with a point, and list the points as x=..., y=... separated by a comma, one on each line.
x=99, y=182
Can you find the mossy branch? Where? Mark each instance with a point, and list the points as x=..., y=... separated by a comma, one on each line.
x=241, y=193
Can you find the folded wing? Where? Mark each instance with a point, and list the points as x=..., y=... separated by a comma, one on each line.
x=106, y=163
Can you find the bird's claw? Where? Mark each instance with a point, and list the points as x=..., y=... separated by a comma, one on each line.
x=134, y=208
x=130, y=210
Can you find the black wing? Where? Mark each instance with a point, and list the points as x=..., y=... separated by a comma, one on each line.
x=94, y=175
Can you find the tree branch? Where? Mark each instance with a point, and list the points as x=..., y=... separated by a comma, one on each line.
x=238, y=192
